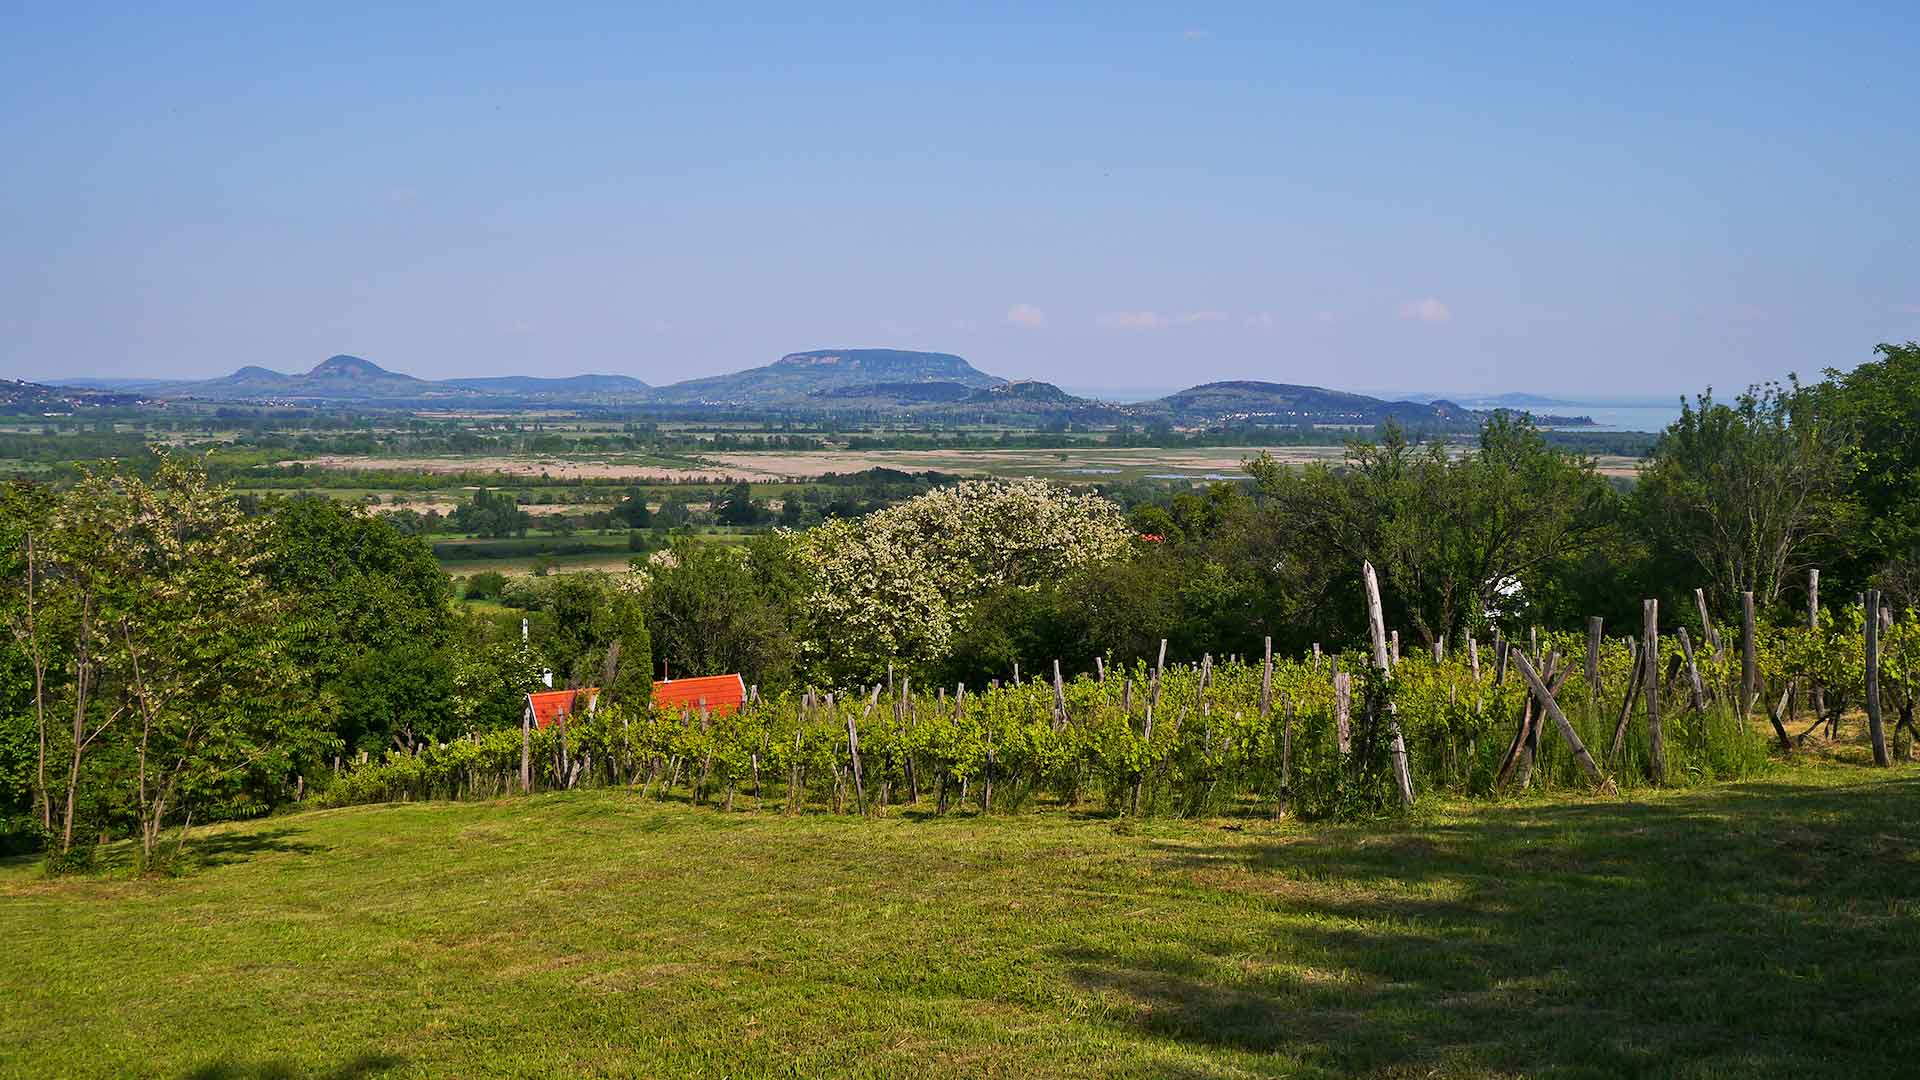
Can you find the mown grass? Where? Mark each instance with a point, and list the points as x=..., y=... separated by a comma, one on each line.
x=1760, y=929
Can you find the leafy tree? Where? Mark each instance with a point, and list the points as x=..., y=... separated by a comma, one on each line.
x=632, y=510
x=737, y=507
x=179, y=683
x=1744, y=494
x=486, y=585
x=491, y=514
x=370, y=620
x=1457, y=540
x=894, y=585
x=1874, y=404
x=585, y=614
x=717, y=608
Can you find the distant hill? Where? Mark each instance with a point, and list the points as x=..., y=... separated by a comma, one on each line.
x=531, y=386
x=351, y=380
x=1026, y=392
x=852, y=382
x=1288, y=403
x=797, y=376
x=21, y=398
x=899, y=393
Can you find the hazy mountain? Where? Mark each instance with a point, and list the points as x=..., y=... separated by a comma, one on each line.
x=797, y=376
x=573, y=386
x=1283, y=403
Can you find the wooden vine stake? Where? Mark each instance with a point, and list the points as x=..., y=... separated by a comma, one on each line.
x=1707, y=627
x=1816, y=694
x=1876, y=729
x=1695, y=687
x=1552, y=707
x=1595, y=626
x=1343, y=713
x=1376, y=616
x=1650, y=686
x=1749, y=665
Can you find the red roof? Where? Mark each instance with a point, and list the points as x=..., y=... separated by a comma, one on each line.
x=722, y=693
x=549, y=704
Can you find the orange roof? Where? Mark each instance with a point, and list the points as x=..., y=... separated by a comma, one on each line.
x=549, y=704
x=722, y=693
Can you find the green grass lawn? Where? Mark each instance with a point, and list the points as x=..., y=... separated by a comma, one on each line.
x=1761, y=929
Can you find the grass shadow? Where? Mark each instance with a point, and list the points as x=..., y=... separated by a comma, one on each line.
x=1762, y=929
x=284, y=1069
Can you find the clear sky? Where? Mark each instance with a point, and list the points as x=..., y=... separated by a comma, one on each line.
x=1619, y=200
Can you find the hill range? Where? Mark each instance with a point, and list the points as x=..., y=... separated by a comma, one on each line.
x=860, y=382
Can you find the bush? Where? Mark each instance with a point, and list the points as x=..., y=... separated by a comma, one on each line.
x=487, y=585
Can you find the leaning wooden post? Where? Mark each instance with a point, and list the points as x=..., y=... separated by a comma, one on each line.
x=1396, y=646
x=1876, y=732
x=1749, y=662
x=1343, y=713
x=1595, y=626
x=1552, y=708
x=1694, y=686
x=1059, y=700
x=1706, y=625
x=526, y=750
x=1402, y=774
x=1817, y=695
x=1473, y=656
x=1650, y=686
x=1286, y=761
x=1266, y=682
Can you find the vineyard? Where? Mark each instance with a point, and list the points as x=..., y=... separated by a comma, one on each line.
x=1334, y=735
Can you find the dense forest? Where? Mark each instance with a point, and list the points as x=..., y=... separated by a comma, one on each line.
x=177, y=654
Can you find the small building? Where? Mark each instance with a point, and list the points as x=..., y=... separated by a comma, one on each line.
x=548, y=706
x=722, y=694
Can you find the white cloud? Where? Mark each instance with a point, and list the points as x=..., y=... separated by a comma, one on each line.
x=1133, y=320
x=1910, y=309
x=1326, y=317
x=1026, y=315
x=1192, y=33
x=1258, y=321
x=1153, y=320
x=1426, y=309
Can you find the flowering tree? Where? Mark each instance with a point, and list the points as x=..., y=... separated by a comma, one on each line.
x=897, y=583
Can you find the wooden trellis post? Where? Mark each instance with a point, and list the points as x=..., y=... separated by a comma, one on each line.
x=1876, y=730
x=1402, y=774
x=1650, y=686
x=1749, y=661
x=1552, y=707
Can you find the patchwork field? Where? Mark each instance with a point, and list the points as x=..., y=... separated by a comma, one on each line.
x=1763, y=929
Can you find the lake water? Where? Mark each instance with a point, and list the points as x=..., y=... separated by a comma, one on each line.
x=1619, y=417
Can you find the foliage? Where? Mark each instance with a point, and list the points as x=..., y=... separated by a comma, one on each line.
x=492, y=514
x=1744, y=493
x=894, y=585
x=1459, y=540
x=720, y=609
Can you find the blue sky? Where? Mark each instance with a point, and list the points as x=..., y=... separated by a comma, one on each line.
x=1620, y=201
